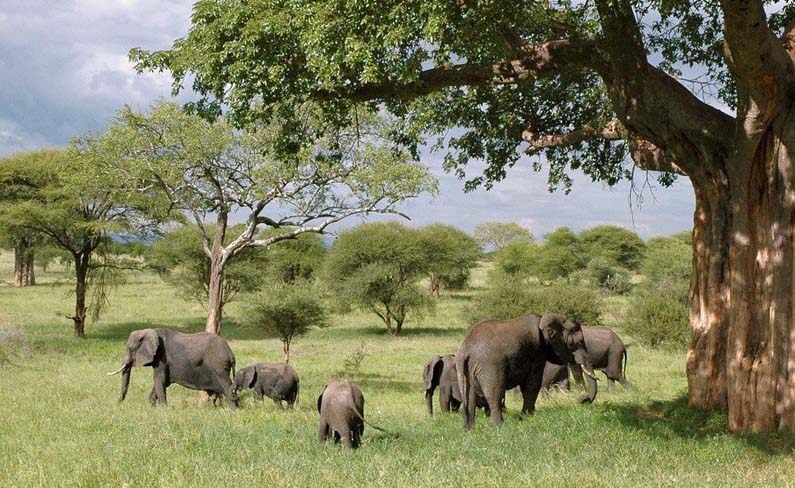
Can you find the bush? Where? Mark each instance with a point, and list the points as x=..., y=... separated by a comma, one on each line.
x=516, y=258
x=659, y=317
x=13, y=342
x=287, y=311
x=603, y=274
x=617, y=245
x=508, y=298
x=451, y=254
x=376, y=267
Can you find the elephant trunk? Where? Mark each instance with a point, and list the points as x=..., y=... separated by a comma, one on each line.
x=125, y=381
x=581, y=358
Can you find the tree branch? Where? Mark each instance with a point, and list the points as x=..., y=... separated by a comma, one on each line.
x=611, y=131
x=537, y=61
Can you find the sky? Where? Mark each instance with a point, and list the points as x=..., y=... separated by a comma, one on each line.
x=64, y=72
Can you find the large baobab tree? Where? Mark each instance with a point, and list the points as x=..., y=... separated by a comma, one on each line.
x=594, y=85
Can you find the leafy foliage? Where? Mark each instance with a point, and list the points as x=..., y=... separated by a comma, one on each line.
x=377, y=267
x=605, y=274
x=451, y=255
x=287, y=310
x=516, y=258
x=616, y=245
x=178, y=257
x=293, y=259
x=509, y=297
x=493, y=236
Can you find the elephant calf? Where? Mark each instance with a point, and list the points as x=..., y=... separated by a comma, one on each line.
x=607, y=353
x=341, y=408
x=277, y=381
x=440, y=373
x=200, y=361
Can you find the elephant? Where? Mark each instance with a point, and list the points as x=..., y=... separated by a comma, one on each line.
x=555, y=376
x=341, y=409
x=201, y=361
x=277, y=381
x=497, y=355
x=607, y=353
x=440, y=373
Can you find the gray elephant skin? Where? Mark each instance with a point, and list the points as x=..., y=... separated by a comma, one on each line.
x=497, y=355
x=341, y=409
x=555, y=376
x=607, y=353
x=200, y=361
x=440, y=372
x=277, y=381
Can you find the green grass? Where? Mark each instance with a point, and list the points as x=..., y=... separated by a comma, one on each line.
x=60, y=423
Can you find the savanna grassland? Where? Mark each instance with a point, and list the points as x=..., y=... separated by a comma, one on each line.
x=61, y=424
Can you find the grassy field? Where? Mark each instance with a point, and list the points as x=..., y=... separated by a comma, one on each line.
x=61, y=425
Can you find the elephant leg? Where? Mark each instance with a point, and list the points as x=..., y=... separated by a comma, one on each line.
x=222, y=384
x=346, y=437
x=160, y=386
x=469, y=406
x=152, y=396
x=258, y=394
x=356, y=434
x=278, y=403
x=444, y=401
x=322, y=431
x=494, y=393
x=611, y=385
x=530, y=388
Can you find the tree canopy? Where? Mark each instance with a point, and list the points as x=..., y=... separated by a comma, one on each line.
x=493, y=236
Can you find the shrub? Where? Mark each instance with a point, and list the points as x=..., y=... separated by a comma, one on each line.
x=602, y=273
x=516, y=258
x=13, y=342
x=451, y=254
x=617, y=245
x=659, y=317
x=376, y=267
x=509, y=297
x=287, y=311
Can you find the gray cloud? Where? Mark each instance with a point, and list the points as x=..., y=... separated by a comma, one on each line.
x=64, y=72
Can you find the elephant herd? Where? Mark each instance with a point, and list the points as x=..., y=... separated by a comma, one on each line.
x=530, y=352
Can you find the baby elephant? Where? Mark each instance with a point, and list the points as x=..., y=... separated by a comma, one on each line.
x=277, y=381
x=341, y=408
x=440, y=373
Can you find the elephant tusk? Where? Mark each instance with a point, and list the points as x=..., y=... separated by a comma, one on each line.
x=118, y=370
x=588, y=373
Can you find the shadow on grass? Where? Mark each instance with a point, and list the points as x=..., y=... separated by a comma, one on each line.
x=409, y=331
x=665, y=419
x=376, y=383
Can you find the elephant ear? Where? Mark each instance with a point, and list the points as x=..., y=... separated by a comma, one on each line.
x=320, y=398
x=433, y=371
x=551, y=326
x=147, y=348
x=250, y=377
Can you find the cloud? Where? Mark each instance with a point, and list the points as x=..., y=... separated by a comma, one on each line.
x=64, y=72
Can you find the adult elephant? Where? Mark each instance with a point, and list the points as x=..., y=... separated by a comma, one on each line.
x=498, y=355
x=607, y=353
x=200, y=361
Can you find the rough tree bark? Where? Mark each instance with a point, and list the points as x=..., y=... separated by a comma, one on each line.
x=218, y=259
x=82, y=261
x=23, y=264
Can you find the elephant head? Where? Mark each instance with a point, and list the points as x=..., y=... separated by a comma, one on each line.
x=142, y=347
x=245, y=378
x=568, y=343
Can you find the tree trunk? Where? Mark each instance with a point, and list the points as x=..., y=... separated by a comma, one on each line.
x=217, y=269
x=742, y=353
x=81, y=278
x=23, y=264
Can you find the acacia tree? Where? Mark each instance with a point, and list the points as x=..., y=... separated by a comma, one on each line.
x=70, y=205
x=271, y=176
x=496, y=235
x=595, y=86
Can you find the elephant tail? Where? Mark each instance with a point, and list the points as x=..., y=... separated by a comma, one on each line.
x=361, y=417
x=624, y=366
x=297, y=390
